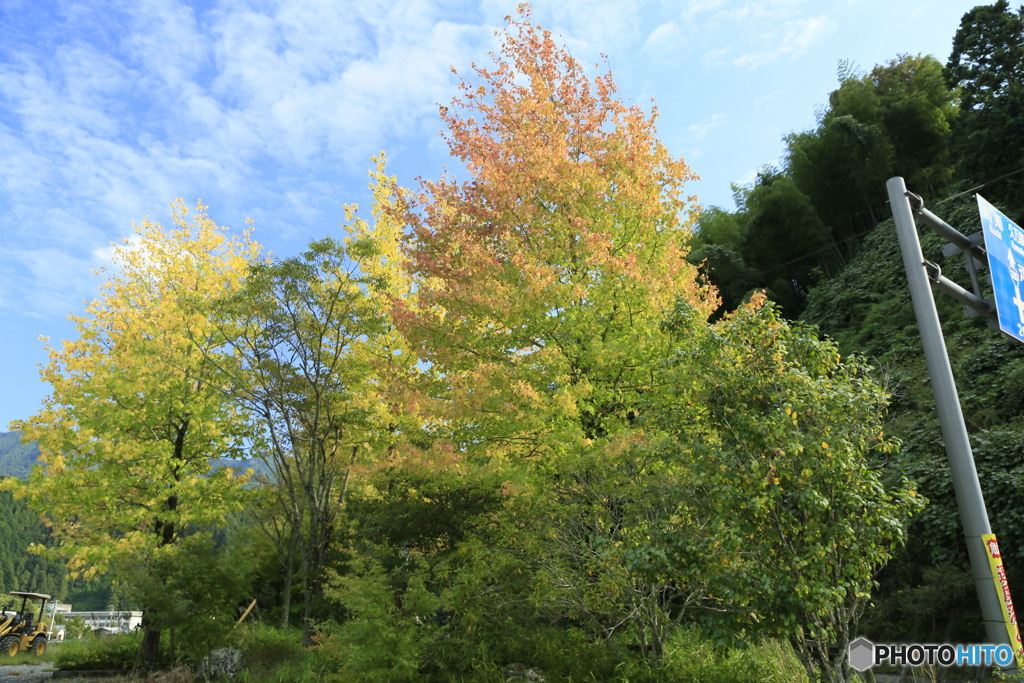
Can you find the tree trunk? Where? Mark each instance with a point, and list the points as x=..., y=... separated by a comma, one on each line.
x=149, y=652
x=289, y=572
x=307, y=599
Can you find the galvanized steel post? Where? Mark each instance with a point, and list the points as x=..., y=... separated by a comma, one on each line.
x=969, y=499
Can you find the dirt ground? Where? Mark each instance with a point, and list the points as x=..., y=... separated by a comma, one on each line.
x=32, y=673
x=26, y=672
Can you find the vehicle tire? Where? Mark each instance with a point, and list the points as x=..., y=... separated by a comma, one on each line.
x=10, y=645
x=38, y=646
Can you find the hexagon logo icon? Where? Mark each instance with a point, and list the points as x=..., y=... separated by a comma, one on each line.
x=862, y=654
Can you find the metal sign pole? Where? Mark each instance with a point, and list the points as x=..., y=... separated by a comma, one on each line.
x=969, y=498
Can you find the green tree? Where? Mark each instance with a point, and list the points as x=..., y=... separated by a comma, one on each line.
x=786, y=239
x=716, y=246
x=810, y=217
x=927, y=595
x=986, y=66
x=776, y=434
x=319, y=364
x=917, y=110
x=842, y=167
x=137, y=420
x=908, y=100
x=542, y=282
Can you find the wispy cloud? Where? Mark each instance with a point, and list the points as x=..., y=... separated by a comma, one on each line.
x=699, y=131
x=588, y=27
x=793, y=39
x=695, y=8
x=123, y=109
x=606, y=25
x=667, y=43
x=741, y=34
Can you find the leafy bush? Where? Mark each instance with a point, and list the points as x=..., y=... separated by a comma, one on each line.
x=191, y=590
x=386, y=633
x=115, y=653
x=269, y=652
x=693, y=660
x=562, y=653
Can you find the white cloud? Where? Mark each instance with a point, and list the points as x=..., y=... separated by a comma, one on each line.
x=60, y=279
x=589, y=28
x=128, y=108
x=767, y=98
x=336, y=80
x=667, y=43
x=699, y=131
x=606, y=25
x=165, y=41
x=746, y=34
x=695, y=8
x=793, y=39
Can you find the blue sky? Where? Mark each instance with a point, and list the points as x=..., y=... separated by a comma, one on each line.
x=271, y=110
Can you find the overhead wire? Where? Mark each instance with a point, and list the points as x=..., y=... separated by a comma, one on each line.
x=978, y=187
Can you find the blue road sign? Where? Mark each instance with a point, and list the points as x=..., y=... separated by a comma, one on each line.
x=1004, y=242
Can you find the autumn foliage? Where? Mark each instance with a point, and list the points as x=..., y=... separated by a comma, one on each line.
x=542, y=278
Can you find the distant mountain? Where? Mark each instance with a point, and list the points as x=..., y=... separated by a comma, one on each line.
x=16, y=458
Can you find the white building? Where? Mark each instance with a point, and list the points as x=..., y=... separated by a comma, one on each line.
x=111, y=622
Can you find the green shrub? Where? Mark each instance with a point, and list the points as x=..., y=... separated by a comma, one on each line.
x=694, y=660
x=270, y=653
x=566, y=654
x=192, y=591
x=562, y=653
x=386, y=633
x=115, y=653
x=275, y=655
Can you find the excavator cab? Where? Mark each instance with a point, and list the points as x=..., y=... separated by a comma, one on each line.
x=26, y=628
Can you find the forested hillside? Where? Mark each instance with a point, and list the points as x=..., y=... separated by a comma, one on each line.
x=944, y=129
x=21, y=527
x=19, y=570
x=16, y=458
x=928, y=593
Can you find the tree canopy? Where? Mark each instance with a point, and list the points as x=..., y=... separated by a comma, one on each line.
x=986, y=67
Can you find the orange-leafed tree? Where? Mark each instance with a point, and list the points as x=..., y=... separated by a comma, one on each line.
x=543, y=277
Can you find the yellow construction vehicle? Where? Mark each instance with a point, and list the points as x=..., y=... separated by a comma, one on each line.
x=24, y=630
x=7, y=619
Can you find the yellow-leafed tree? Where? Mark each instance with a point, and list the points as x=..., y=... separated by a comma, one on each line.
x=135, y=430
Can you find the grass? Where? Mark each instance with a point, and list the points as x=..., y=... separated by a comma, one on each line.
x=48, y=657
